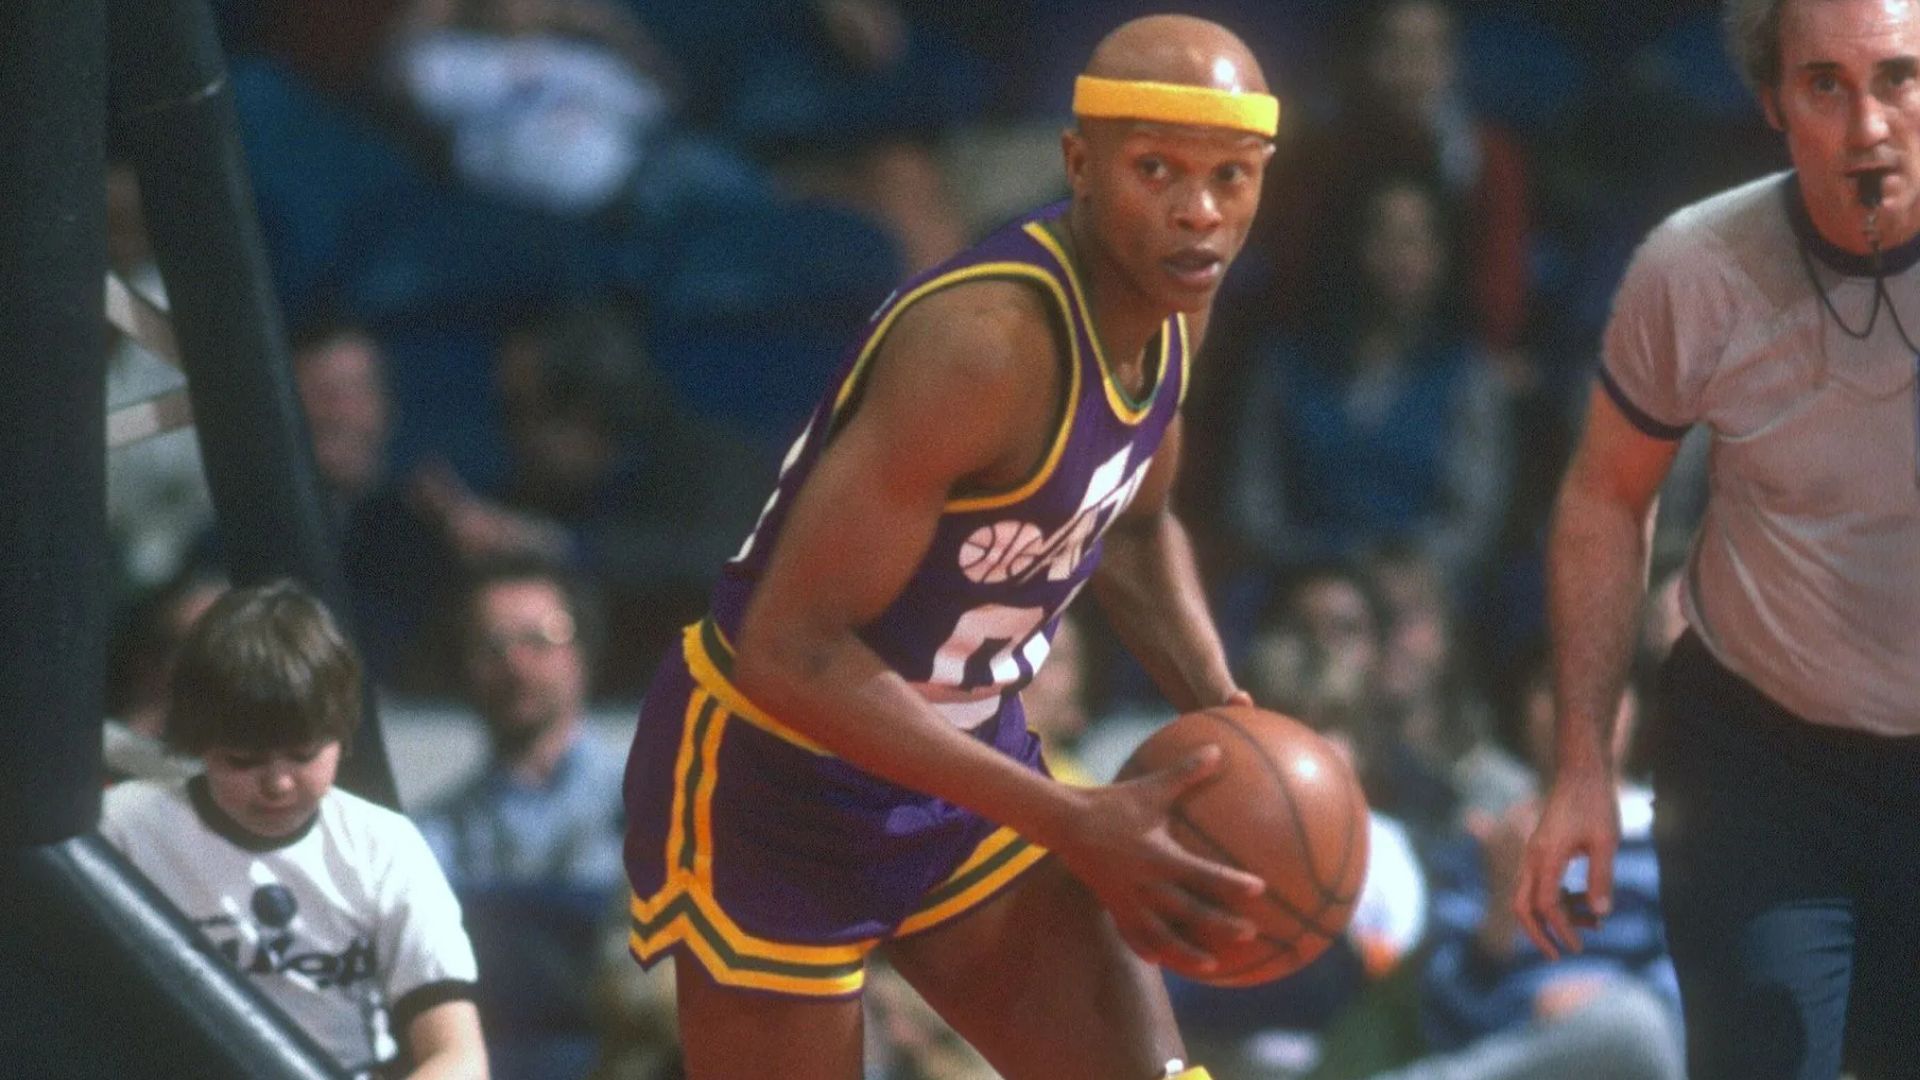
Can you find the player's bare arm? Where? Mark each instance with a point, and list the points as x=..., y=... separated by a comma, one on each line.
x=1149, y=587
x=1597, y=580
x=957, y=382
x=962, y=394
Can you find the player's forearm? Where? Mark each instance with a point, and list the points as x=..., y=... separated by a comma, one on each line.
x=1596, y=585
x=835, y=691
x=1149, y=587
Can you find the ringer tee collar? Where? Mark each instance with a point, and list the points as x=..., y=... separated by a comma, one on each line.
x=232, y=831
x=1893, y=261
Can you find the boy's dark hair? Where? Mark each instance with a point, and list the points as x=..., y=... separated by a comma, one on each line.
x=265, y=668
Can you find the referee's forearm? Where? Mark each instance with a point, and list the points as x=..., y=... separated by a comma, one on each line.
x=1596, y=585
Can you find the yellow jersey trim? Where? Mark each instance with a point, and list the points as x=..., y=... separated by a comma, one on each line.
x=710, y=672
x=1002, y=269
x=1186, y=357
x=1118, y=399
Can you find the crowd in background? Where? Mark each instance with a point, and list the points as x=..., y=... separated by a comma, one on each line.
x=563, y=277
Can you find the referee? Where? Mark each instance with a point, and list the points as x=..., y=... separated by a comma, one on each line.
x=1784, y=315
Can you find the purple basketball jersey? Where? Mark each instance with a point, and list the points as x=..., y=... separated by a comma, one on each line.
x=975, y=620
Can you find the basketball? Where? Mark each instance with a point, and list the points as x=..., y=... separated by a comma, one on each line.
x=1284, y=806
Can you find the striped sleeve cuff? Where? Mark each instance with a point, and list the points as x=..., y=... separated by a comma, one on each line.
x=1637, y=416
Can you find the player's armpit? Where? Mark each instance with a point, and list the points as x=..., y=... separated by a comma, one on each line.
x=960, y=393
x=953, y=386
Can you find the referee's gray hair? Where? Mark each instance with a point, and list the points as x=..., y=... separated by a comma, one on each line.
x=1752, y=30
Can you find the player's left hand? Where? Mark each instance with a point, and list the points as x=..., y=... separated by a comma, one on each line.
x=1167, y=902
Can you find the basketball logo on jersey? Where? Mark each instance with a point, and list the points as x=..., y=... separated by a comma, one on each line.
x=276, y=945
x=993, y=553
x=1016, y=551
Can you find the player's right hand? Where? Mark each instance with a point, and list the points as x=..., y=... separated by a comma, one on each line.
x=1166, y=901
x=1581, y=817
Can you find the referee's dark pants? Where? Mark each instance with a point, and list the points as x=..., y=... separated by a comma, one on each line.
x=1790, y=882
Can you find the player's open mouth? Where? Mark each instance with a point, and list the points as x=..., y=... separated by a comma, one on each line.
x=1195, y=268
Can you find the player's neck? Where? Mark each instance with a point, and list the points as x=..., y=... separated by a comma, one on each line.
x=1122, y=318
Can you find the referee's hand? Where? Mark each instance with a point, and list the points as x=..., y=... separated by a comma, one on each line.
x=1581, y=817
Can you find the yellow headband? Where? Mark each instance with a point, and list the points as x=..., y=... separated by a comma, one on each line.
x=1169, y=103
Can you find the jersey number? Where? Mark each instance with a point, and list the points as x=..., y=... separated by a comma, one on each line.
x=982, y=649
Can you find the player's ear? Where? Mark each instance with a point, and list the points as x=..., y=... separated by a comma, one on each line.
x=1770, y=105
x=1074, y=153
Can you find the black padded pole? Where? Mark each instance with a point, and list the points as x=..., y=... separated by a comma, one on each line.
x=53, y=534
x=98, y=977
x=173, y=108
x=115, y=982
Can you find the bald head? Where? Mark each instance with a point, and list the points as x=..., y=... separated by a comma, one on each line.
x=1178, y=49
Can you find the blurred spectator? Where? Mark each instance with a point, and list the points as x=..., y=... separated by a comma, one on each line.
x=340, y=374
x=1402, y=111
x=544, y=809
x=606, y=476
x=1381, y=421
x=1317, y=661
x=567, y=106
x=140, y=676
x=1321, y=654
x=1055, y=701
x=1439, y=712
x=845, y=99
x=1326, y=613
x=1493, y=1004
x=394, y=559
x=532, y=844
x=549, y=103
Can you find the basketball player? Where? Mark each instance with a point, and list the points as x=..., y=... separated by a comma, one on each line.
x=1784, y=316
x=837, y=760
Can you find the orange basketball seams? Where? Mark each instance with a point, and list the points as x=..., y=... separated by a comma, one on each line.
x=1284, y=806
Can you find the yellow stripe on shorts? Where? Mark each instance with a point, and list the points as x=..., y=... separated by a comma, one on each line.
x=1001, y=857
x=684, y=911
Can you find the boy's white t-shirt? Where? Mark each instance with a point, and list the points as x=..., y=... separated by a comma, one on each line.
x=348, y=925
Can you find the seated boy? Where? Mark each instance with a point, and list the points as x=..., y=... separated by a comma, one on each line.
x=333, y=905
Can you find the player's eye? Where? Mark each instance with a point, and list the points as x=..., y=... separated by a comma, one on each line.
x=1231, y=173
x=1152, y=168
